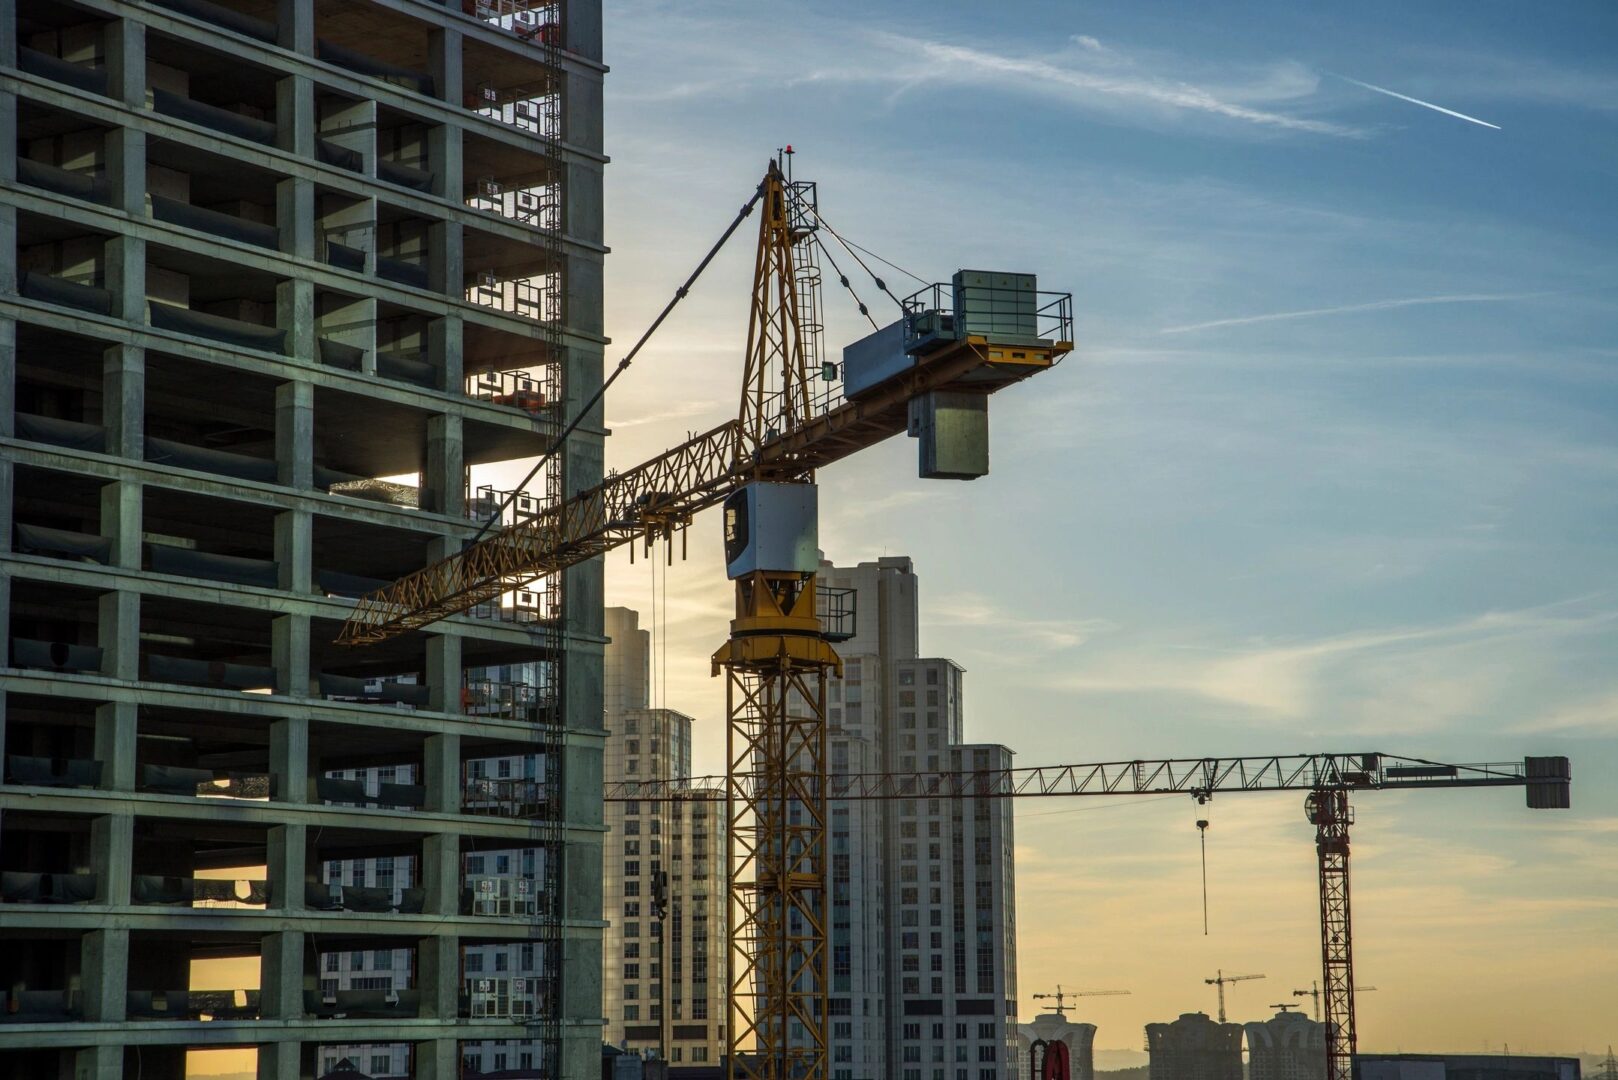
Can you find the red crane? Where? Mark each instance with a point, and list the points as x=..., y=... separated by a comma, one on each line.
x=1328, y=779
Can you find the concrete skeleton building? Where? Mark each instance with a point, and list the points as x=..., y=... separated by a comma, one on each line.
x=663, y=985
x=1056, y=1027
x=1288, y=1046
x=923, y=912
x=1194, y=1047
x=274, y=276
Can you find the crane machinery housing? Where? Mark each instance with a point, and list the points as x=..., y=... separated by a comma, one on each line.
x=928, y=373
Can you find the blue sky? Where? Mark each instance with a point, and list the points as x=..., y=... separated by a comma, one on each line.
x=1333, y=466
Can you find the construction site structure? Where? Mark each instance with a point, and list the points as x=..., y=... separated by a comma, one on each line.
x=1313, y=994
x=930, y=373
x=1288, y=1046
x=1194, y=1047
x=1328, y=779
x=274, y=277
x=1220, y=980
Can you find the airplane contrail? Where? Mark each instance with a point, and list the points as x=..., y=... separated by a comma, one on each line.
x=1423, y=104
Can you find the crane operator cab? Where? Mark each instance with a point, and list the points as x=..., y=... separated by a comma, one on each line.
x=991, y=329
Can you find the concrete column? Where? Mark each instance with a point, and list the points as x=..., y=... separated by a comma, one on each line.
x=125, y=150
x=124, y=55
x=289, y=649
x=295, y=216
x=104, y=962
x=445, y=160
x=281, y=977
x=124, y=269
x=295, y=434
x=295, y=313
x=112, y=857
x=443, y=473
x=286, y=1061
x=581, y=111
x=288, y=866
x=439, y=964
x=581, y=28
x=444, y=673
x=439, y=1059
x=8, y=363
x=8, y=33
x=105, y=1062
x=446, y=266
x=446, y=352
x=444, y=63
x=118, y=634
x=289, y=759
x=441, y=772
x=123, y=400
x=441, y=873
x=294, y=545
x=295, y=115
x=295, y=25
x=121, y=521
x=115, y=735
x=8, y=130
x=582, y=209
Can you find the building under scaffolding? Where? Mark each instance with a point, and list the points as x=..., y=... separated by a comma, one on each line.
x=277, y=274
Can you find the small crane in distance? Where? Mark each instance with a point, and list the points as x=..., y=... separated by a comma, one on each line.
x=1314, y=993
x=1220, y=981
x=1060, y=997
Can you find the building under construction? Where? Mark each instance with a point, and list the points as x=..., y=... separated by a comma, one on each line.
x=277, y=275
x=1195, y=1047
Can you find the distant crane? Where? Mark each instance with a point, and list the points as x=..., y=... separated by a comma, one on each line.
x=1283, y=1007
x=1061, y=996
x=1220, y=981
x=1314, y=993
x=1328, y=778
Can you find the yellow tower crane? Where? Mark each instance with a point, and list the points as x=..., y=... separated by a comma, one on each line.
x=929, y=373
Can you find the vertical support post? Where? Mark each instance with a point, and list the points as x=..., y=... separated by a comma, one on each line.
x=115, y=740
x=112, y=857
x=289, y=759
x=104, y=960
x=441, y=772
x=295, y=434
x=443, y=473
x=294, y=543
x=118, y=628
x=289, y=653
x=288, y=866
x=1331, y=814
x=444, y=673
x=123, y=396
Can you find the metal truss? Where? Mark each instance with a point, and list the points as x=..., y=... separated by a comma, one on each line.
x=1200, y=777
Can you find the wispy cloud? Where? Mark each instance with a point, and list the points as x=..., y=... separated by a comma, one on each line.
x=1403, y=674
x=1423, y=104
x=1349, y=309
x=1024, y=71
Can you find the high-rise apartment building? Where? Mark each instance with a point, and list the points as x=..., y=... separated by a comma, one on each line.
x=274, y=276
x=1194, y=1047
x=923, y=977
x=1288, y=1046
x=663, y=983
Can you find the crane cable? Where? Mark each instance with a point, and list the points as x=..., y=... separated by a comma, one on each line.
x=880, y=284
x=623, y=365
x=843, y=278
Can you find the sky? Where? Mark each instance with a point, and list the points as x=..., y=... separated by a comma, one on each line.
x=1332, y=467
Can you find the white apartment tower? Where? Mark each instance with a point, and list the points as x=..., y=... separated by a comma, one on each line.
x=663, y=979
x=923, y=908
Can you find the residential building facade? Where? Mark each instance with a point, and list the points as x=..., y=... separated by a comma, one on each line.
x=664, y=889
